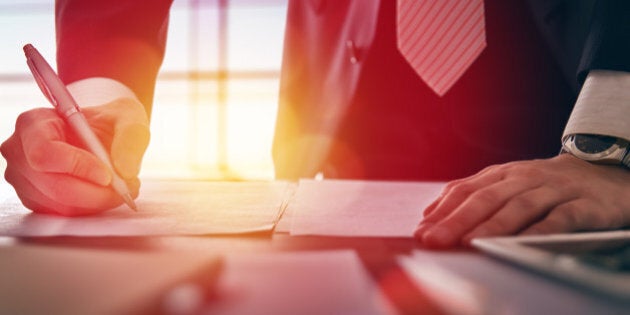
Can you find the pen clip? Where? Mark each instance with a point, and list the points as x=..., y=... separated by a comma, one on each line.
x=40, y=82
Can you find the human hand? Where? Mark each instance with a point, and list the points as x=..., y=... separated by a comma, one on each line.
x=557, y=195
x=52, y=172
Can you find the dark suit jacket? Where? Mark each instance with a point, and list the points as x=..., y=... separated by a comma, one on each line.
x=350, y=105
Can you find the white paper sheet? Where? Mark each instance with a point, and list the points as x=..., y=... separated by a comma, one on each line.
x=360, y=208
x=306, y=282
x=165, y=208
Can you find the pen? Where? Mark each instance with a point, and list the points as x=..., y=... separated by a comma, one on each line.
x=66, y=107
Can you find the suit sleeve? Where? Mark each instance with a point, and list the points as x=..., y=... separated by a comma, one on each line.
x=607, y=46
x=122, y=40
x=603, y=105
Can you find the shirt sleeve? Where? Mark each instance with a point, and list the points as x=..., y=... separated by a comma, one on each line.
x=603, y=106
x=97, y=91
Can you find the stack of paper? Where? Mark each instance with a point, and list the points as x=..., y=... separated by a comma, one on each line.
x=165, y=208
x=328, y=207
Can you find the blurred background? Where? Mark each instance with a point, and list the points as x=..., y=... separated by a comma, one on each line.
x=216, y=95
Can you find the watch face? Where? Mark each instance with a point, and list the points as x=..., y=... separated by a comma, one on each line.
x=593, y=143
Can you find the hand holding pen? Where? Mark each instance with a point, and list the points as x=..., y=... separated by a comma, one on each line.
x=70, y=161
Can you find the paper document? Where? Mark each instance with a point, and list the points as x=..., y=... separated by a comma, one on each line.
x=165, y=208
x=360, y=208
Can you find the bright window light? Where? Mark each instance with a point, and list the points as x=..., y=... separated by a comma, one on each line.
x=216, y=95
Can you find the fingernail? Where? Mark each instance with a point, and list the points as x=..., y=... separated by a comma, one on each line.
x=438, y=237
x=421, y=229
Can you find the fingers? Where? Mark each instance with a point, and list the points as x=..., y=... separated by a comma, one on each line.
x=521, y=211
x=35, y=200
x=124, y=126
x=449, y=187
x=58, y=193
x=88, y=199
x=455, y=193
x=60, y=157
x=576, y=215
x=51, y=174
x=44, y=150
x=447, y=228
x=63, y=194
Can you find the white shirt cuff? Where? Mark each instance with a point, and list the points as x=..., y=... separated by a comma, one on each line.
x=97, y=91
x=603, y=106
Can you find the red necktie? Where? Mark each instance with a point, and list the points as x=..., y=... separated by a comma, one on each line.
x=440, y=38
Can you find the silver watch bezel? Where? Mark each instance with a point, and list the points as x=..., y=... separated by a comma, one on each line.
x=616, y=154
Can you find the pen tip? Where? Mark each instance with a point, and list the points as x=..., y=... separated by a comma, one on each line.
x=129, y=201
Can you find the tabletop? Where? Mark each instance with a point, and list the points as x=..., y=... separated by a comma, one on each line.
x=275, y=273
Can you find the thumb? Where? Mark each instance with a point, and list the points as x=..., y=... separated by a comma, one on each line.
x=128, y=145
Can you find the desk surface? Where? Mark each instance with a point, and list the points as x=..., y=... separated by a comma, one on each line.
x=497, y=288
x=262, y=272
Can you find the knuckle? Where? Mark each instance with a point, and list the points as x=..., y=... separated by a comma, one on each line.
x=462, y=188
x=5, y=148
x=37, y=158
x=24, y=119
x=452, y=184
x=496, y=168
x=27, y=118
x=8, y=177
x=510, y=166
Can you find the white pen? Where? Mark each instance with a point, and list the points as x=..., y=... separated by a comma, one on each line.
x=65, y=105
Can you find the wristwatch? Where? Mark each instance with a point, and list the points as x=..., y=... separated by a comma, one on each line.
x=598, y=149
